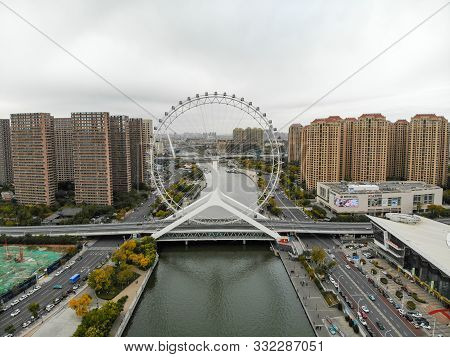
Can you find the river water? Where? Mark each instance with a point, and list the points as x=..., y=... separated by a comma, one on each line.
x=219, y=289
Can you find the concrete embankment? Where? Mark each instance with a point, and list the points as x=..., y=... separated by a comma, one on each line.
x=134, y=294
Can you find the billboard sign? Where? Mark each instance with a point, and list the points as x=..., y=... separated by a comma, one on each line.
x=346, y=202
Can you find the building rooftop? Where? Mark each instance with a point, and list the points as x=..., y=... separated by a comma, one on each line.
x=428, y=238
x=344, y=187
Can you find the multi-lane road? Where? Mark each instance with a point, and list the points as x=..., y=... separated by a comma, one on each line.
x=357, y=288
x=92, y=257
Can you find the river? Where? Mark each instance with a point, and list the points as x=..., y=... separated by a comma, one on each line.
x=220, y=289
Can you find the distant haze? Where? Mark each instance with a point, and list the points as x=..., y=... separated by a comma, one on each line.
x=282, y=55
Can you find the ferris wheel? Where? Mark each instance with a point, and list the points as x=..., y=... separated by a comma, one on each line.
x=192, y=131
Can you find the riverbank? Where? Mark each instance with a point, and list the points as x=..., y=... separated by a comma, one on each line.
x=319, y=314
x=134, y=292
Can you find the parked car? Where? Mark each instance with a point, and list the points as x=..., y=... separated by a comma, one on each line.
x=15, y=312
x=57, y=286
x=365, y=309
x=380, y=325
x=371, y=297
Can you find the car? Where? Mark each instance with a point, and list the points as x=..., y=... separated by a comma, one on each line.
x=85, y=278
x=56, y=301
x=390, y=300
x=416, y=325
x=75, y=287
x=49, y=307
x=371, y=297
x=365, y=309
x=363, y=322
x=9, y=335
x=15, y=302
x=384, y=272
x=350, y=305
x=397, y=306
x=332, y=280
x=57, y=286
x=424, y=326
x=4, y=308
x=57, y=273
x=332, y=330
x=380, y=325
x=37, y=287
x=347, y=266
x=26, y=324
x=369, y=331
x=359, y=315
x=23, y=297
x=15, y=312
x=409, y=318
x=402, y=312
x=335, y=285
x=416, y=314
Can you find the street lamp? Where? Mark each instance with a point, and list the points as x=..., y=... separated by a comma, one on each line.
x=339, y=285
x=358, y=302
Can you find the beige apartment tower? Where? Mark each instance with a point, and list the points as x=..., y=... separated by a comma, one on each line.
x=428, y=149
x=140, y=136
x=92, y=158
x=397, y=150
x=347, y=148
x=63, y=133
x=370, y=148
x=322, y=160
x=120, y=153
x=294, y=143
x=6, y=175
x=33, y=160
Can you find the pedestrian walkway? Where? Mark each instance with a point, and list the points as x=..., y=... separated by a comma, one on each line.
x=316, y=308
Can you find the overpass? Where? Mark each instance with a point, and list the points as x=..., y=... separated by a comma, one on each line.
x=192, y=229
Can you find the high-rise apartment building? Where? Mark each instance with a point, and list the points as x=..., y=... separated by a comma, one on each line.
x=63, y=134
x=92, y=158
x=397, y=150
x=294, y=143
x=33, y=160
x=6, y=176
x=141, y=136
x=322, y=161
x=370, y=147
x=428, y=149
x=120, y=153
x=347, y=148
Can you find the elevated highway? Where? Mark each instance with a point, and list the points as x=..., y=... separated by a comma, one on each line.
x=190, y=228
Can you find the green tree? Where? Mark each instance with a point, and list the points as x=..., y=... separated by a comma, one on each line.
x=318, y=255
x=10, y=329
x=34, y=309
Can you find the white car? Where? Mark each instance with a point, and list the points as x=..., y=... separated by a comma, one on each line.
x=332, y=280
x=49, y=307
x=57, y=273
x=26, y=324
x=365, y=309
x=363, y=322
x=347, y=266
x=15, y=312
x=401, y=311
x=427, y=327
x=417, y=314
x=37, y=287
x=15, y=302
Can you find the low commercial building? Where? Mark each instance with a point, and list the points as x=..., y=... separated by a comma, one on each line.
x=377, y=199
x=419, y=246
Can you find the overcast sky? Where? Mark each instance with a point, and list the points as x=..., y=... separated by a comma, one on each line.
x=282, y=55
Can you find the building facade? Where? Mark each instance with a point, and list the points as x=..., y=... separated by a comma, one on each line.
x=141, y=137
x=120, y=153
x=92, y=158
x=63, y=133
x=294, y=143
x=397, y=150
x=322, y=159
x=370, y=148
x=347, y=148
x=378, y=198
x=33, y=158
x=6, y=175
x=428, y=149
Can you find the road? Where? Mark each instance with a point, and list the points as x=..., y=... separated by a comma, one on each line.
x=357, y=287
x=91, y=258
x=290, y=210
x=140, y=213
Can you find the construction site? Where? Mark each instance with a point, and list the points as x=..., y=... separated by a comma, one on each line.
x=17, y=263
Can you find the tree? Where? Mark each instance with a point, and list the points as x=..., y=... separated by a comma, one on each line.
x=34, y=309
x=101, y=279
x=125, y=274
x=10, y=329
x=318, y=255
x=81, y=305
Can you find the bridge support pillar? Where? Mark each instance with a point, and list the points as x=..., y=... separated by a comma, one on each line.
x=186, y=242
x=244, y=242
